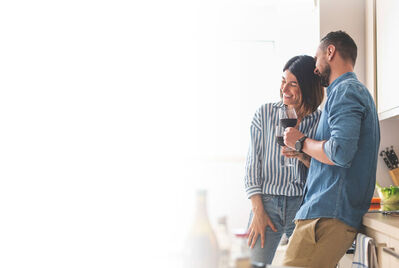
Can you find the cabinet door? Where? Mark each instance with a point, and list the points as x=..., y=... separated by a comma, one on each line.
x=387, y=25
x=370, y=61
x=381, y=241
x=394, y=245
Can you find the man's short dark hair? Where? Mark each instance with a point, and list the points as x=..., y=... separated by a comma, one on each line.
x=343, y=43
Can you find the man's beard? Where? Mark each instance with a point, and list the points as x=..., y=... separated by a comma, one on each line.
x=325, y=76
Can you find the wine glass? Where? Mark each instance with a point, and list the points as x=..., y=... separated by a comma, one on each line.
x=284, y=161
x=287, y=118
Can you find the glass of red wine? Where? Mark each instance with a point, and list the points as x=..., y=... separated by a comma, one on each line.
x=284, y=161
x=287, y=118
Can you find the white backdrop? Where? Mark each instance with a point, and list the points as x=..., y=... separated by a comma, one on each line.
x=112, y=113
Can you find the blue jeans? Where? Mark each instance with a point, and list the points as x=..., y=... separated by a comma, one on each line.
x=281, y=210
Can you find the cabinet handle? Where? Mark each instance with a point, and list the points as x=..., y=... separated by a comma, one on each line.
x=391, y=252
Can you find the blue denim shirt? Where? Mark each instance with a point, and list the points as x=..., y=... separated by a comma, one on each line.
x=349, y=124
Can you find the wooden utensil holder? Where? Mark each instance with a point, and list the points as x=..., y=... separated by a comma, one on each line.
x=395, y=176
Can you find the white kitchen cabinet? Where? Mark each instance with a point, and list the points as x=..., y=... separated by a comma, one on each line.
x=370, y=48
x=387, y=43
x=381, y=58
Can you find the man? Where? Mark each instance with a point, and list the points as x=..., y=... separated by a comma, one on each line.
x=341, y=177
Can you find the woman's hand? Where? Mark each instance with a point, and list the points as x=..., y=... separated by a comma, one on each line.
x=289, y=153
x=260, y=221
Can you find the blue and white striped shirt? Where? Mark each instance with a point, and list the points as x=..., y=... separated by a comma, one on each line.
x=263, y=172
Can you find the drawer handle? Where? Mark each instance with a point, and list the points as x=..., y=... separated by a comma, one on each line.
x=391, y=252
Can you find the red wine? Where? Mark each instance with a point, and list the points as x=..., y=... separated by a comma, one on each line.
x=280, y=140
x=288, y=122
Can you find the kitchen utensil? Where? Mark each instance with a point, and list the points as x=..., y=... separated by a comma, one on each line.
x=393, y=212
x=391, y=161
x=393, y=157
x=386, y=160
x=390, y=155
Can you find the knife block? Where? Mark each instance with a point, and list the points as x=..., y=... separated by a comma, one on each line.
x=395, y=176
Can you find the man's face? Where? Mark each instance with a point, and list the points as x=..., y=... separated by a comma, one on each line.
x=323, y=69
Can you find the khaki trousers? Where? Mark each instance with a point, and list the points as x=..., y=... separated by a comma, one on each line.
x=318, y=243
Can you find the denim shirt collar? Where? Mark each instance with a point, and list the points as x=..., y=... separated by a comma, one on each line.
x=339, y=79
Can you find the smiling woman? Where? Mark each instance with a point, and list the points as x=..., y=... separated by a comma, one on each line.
x=274, y=189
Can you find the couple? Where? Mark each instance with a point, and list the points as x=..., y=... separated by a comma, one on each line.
x=335, y=153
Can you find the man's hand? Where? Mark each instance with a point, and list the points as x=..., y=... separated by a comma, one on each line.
x=291, y=135
x=258, y=227
x=313, y=148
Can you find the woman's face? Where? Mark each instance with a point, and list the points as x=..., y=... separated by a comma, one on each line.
x=290, y=90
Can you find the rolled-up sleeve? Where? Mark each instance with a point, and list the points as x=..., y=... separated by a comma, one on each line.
x=253, y=178
x=345, y=114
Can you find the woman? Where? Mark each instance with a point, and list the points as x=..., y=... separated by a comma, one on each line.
x=276, y=191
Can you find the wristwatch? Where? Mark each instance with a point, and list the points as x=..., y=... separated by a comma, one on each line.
x=299, y=144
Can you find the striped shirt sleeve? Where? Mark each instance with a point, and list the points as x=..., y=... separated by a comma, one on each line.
x=253, y=177
x=264, y=173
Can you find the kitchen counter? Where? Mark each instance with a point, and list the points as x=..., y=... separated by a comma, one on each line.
x=386, y=224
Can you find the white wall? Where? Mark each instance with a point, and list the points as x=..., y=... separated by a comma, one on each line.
x=346, y=15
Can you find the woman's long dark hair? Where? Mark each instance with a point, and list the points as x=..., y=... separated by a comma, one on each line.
x=312, y=91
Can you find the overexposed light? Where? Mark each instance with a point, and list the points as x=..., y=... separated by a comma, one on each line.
x=113, y=113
